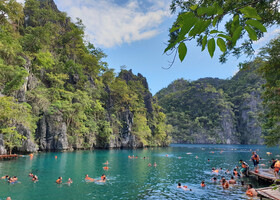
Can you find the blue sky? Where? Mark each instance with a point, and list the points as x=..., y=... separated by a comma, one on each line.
x=134, y=33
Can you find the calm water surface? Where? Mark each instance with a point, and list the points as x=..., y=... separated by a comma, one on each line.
x=130, y=178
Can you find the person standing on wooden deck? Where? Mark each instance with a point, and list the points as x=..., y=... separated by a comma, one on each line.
x=276, y=168
x=256, y=159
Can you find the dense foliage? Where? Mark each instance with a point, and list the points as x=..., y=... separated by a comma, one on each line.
x=221, y=23
x=215, y=109
x=271, y=96
x=47, y=68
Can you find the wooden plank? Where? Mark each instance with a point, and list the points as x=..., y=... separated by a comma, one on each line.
x=265, y=174
x=269, y=193
x=8, y=156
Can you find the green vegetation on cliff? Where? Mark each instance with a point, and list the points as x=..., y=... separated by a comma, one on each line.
x=212, y=110
x=56, y=88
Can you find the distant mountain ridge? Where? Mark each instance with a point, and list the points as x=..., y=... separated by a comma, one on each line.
x=212, y=110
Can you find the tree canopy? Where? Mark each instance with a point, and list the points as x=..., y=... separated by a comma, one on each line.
x=221, y=23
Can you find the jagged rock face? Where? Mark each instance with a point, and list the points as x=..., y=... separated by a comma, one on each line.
x=248, y=124
x=2, y=146
x=28, y=145
x=52, y=133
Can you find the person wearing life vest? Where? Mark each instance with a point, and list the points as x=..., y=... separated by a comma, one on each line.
x=244, y=168
x=251, y=191
x=276, y=168
x=202, y=184
x=59, y=180
x=256, y=159
x=88, y=179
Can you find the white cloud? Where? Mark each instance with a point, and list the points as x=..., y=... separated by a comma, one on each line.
x=268, y=36
x=109, y=24
x=21, y=1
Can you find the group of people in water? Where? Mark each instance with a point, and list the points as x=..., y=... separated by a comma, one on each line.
x=225, y=184
x=244, y=172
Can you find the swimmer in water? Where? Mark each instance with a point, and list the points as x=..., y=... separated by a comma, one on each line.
x=8, y=198
x=106, y=167
x=225, y=184
x=251, y=191
x=183, y=187
x=103, y=178
x=202, y=184
x=232, y=181
x=214, y=179
x=69, y=181
x=88, y=179
x=59, y=180
x=149, y=164
x=30, y=175
x=155, y=164
x=5, y=177
x=196, y=157
x=35, y=178
x=106, y=163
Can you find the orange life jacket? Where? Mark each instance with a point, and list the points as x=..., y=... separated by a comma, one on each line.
x=58, y=181
x=202, y=185
x=277, y=164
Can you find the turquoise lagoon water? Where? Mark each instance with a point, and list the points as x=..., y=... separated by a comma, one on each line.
x=130, y=178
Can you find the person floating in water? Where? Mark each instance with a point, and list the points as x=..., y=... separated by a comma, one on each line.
x=59, y=180
x=215, y=170
x=149, y=164
x=225, y=184
x=183, y=187
x=103, y=178
x=31, y=175
x=8, y=198
x=35, y=178
x=106, y=163
x=88, y=179
x=202, y=184
x=214, y=179
x=251, y=191
x=69, y=181
x=5, y=177
x=106, y=167
x=232, y=180
x=256, y=159
x=155, y=164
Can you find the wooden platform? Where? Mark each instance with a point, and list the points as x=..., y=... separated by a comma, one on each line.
x=269, y=193
x=8, y=156
x=266, y=175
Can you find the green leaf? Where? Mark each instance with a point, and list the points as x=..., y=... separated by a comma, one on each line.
x=170, y=46
x=236, y=34
x=215, y=20
x=252, y=33
x=224, y=36
x=194, y=7
x=250, y=12
x=211, y=47
x=174, y=28
x=189, y=21
x=256, y=24
x=221, y=43
x=204, y=42
x=199, y=27
x=215, y=31
x=182, y=49
x=202, y=11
